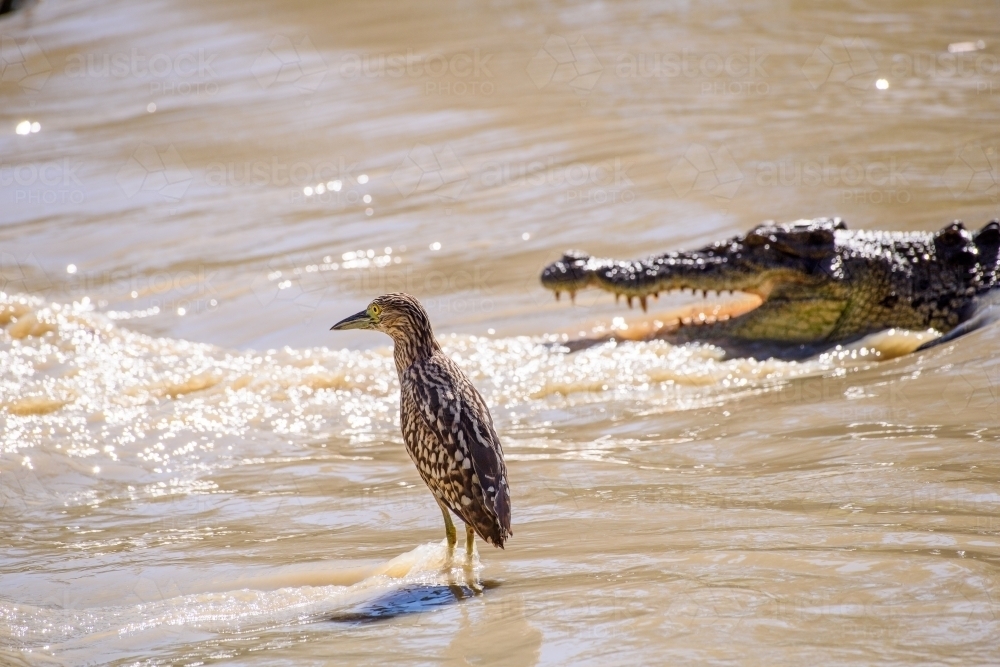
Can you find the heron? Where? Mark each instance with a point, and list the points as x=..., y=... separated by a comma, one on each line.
x=446, y=425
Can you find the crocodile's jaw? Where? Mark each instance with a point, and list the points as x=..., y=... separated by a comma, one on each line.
x=794, y=308
x=798, y=304
x=639, y=280
x=779, y=320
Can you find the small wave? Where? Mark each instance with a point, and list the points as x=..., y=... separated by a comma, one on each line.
x=174, y=609
x=79, y=391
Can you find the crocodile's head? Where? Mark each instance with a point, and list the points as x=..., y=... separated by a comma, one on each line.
x=817, y=282
x=793, y=268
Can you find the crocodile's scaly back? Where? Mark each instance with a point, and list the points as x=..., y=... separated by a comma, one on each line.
x=819, y=282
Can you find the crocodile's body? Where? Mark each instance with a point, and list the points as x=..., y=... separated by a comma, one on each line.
x=820, y=283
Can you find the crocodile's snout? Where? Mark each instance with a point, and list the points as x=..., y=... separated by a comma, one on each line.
x=570, y=274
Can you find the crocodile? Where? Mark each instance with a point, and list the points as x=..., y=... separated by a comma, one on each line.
x=819, y=283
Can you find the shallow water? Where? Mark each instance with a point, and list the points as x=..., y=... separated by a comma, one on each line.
x=194, y=470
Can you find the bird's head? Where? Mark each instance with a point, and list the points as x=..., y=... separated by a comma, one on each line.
x=399, y=315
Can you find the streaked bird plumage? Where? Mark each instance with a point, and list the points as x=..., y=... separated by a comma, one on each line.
x=446, y=425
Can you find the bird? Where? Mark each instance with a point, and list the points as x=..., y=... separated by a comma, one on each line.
x=446, y=425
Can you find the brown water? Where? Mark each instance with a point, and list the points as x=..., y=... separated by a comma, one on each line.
x=194, y=470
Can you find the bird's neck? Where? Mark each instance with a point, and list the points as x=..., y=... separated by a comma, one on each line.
x=409, y=349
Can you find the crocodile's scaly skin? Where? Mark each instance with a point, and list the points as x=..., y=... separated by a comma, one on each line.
x=819, y=281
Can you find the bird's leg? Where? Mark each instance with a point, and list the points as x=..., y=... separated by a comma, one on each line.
x=470, y=541
x=449, y=529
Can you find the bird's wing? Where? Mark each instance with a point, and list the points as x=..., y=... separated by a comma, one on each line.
x=455, y=411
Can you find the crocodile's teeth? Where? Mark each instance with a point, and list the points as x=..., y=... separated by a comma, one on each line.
x=642, y=302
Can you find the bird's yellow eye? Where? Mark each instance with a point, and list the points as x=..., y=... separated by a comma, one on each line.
x=375, y=310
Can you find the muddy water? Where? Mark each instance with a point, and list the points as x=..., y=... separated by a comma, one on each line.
x=194, y=470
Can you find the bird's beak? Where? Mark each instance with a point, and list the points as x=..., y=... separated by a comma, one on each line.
x=357, y=321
